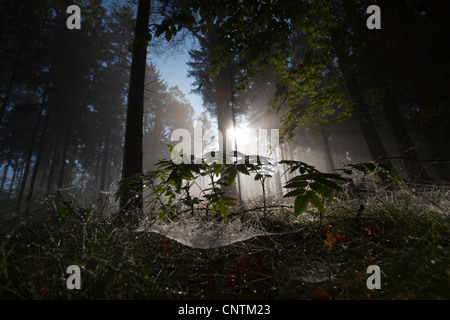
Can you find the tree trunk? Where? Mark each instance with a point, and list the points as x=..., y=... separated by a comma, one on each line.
x=28, y=160
x=275, y=124
x=105, y=160
x=327, y=148
x=370, y=134
x=38, y=159
x=420, y=86
x=43, y=173
x=132, y=156
x=97, y=165
x=6, y=97
x=54, y=158
x=278, y=185
x=414, y=168
x=5, y=171
x=12, y=181
x=64, y=157
x=21, y=172
x=225, y=116
x=283, y=157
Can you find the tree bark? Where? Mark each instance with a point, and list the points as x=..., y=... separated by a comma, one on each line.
x=5, y=171
x=12, y=181
x=54, y=158
x=105, y=159
x=21, y=170
x=62, y=168
x=327, y=148
x=38, y=159
x=225, y=116
x=97, y=165
x=28, y=160
x=132, y=156
x=6, y=97
x=370, y=134
x=43, y=172
x=414, y=168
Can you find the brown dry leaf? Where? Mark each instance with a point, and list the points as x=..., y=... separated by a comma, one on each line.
x=320, y=294
x=331, y=240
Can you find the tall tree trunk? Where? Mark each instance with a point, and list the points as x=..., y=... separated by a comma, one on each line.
x=43, y=173
x=28, y=159
x=83, y=177
x=283, y=157
x=16, y=168
x=275, y=124
x=5, y=171
x=38, y=159
x=21, y=171
x=370, y=134
x=278, y=185
x=327, y=148
x=224, y=105
x=132, y=156
x=54, y=160
x=414, y=168
x=97, y=165
x=105, y=159
x=6, y=97
x=420, y=86
x=64, y=156
x=223, y=97
x=225, y=115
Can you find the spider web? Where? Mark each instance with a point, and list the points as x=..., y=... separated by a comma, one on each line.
x=197, y=232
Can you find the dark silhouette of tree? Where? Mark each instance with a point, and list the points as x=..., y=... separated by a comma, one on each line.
x=64, y=110
x=132, y=155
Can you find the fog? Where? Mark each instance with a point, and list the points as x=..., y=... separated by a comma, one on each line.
x=64, y=98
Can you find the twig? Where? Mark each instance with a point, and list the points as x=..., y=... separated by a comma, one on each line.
x=413, y=160
x=67, y=204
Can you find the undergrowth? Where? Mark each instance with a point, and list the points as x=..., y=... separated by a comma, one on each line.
x=403, y=231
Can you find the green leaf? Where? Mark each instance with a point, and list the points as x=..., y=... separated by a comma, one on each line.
x=322, y=190
x=393, y=175
x=330, y=184
x=230, y=201
x=294, y=193
x=242, y=168
x=258, y=176
x=297, y=185
x=217, y=168
x=315, y=201
x=223, y=210
x=303, y=177
x=232, y=173
x=300, y=205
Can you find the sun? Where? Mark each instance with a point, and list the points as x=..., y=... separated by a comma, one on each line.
x=238, y=135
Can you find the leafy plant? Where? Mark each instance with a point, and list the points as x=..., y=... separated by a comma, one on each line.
x=375, y=170
x=170, y=185
x=311, y=186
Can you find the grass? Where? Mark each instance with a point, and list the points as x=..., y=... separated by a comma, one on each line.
x=404, y=232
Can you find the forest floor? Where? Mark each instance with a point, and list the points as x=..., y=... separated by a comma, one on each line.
x=405, y=233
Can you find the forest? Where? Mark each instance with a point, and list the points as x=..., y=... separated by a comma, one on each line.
x=320, y=149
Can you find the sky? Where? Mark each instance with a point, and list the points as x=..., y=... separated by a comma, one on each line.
x=173, y=70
